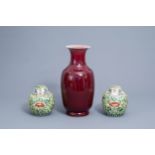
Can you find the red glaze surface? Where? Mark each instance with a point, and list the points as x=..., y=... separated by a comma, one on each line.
x=77, y=84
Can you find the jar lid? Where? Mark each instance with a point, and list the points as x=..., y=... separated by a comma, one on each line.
x=115, y=90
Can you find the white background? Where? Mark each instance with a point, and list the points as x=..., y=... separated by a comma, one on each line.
x=77, y=12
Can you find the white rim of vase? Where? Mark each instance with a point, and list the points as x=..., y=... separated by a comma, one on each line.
x=78, y=46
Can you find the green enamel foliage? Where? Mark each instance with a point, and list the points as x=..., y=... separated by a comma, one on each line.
x=41, y=101
x=114, y=104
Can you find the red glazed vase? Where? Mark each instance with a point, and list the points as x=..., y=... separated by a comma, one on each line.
x=77, y=83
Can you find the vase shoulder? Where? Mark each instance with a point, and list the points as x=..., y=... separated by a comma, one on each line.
x=77, y=68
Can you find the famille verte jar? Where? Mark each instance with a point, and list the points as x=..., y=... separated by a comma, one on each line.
x=114, y=101
x=41, y=101
x=77, y=83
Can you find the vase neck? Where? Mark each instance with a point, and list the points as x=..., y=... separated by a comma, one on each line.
x=78, y=56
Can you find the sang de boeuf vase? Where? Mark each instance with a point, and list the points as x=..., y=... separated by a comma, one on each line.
x=77, y=83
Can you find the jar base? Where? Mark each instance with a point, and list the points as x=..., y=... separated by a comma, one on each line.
x=77, y=114
x=114, y=115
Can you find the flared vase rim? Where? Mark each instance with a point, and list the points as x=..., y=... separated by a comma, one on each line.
x=78, y=46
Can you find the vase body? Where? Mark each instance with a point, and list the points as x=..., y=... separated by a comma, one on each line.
x=77, y=83
x=114, y=101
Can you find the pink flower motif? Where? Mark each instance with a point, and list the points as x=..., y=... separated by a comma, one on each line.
x=114, y=104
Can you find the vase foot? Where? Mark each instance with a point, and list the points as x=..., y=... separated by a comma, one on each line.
x=77, y=114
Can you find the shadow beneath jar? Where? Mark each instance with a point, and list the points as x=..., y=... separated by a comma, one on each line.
x=99, y=109
x=25, y=109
